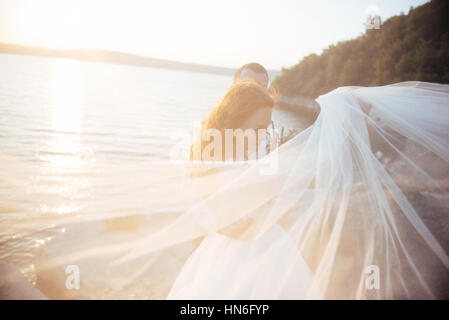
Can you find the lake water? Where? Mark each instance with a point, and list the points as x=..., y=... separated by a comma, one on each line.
x=57, y=110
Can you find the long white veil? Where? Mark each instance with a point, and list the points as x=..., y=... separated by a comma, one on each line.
x=367, y=226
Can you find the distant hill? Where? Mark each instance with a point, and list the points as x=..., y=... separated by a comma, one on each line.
x=106, y=56
x=406, y=47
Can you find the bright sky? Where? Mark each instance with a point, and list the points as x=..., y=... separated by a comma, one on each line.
x=228, y=33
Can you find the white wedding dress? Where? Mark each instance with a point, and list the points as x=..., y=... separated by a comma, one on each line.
x=326, y=211
x=226, y=268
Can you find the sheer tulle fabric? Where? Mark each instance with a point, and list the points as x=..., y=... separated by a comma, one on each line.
x=311, y=220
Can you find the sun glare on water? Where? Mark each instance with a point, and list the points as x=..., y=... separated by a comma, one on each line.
x=64, y=146
x=66, y=88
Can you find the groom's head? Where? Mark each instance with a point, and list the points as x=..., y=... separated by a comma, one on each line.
x=252, y=71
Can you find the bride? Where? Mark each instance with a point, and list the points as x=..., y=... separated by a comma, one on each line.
x=215, y=268
x=319, y=217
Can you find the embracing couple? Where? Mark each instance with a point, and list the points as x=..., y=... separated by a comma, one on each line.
x=240, y=127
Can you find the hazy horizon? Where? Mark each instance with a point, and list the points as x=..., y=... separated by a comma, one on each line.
x=39, y=54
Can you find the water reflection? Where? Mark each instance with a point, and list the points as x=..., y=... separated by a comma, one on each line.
x=62, y=156
x=66, y=89
x=64, y=149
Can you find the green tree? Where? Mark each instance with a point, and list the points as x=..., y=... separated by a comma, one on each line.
x=406, y=47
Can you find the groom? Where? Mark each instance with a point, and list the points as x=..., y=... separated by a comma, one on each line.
x=252, y=71
x=256, y=72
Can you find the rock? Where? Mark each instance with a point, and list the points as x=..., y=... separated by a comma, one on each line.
x=14, y=286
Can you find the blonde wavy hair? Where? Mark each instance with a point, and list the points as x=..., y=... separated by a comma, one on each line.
x=240, y=102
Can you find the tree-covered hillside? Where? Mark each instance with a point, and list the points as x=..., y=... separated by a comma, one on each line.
x=406, y=47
